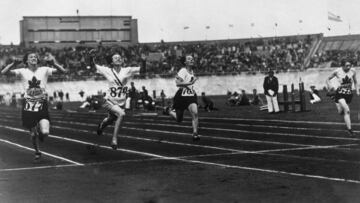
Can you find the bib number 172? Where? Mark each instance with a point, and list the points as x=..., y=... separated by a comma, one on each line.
x=33, y=106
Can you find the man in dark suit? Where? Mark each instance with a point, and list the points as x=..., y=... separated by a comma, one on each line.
x=271, y=88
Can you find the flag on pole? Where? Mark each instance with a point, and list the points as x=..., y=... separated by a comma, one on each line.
x=300, y=21
x=276, y=24
x=252, y=24
x=231, y=25
x=186, y=27
x=334, y=17
x=207, y=27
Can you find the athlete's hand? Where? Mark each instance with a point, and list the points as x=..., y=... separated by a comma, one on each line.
x=92, y=52
x=194, y=80
x=49, y=58
x=17, y=61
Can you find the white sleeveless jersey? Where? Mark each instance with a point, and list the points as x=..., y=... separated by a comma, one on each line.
x=117, y=81
x=34, y=84
x=345, y=80
x=186, y=76
x=41, y=74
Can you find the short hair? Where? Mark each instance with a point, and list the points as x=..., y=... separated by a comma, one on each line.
x=25, y=58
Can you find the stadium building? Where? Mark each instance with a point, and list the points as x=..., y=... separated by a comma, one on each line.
x=62, y=31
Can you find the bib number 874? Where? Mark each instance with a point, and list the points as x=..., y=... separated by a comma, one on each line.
x=117, y=91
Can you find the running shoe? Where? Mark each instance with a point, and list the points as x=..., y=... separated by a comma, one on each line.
x=196, y=137
x=114, y=146
x=99, y=131
x=351, y=133
x=37, y=155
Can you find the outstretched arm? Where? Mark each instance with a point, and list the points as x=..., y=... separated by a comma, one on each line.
x=9, y=66
x=53, y=61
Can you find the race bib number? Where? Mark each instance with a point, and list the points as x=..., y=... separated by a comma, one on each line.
x=186, y=92
x=33, y=106
x=344, y=91
x=118, y=91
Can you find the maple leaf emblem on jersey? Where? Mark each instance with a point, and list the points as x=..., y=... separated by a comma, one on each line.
x=346, y=80
x=34, y=83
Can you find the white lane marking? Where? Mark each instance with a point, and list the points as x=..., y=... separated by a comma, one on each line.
x=88, y=143
x=228, y=166
x=236, y=151
x=86, y=114
x=36, y=168
x=253, y=132
x=187, y=134
x=271, y=171
x=260, y=125
x=27, y=148
x=205, y=146
x=267, y=120
x=249, y=131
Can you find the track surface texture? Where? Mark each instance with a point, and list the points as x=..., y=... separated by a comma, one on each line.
x=245, y=155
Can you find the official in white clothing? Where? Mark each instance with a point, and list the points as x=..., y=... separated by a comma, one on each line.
x=271, y=88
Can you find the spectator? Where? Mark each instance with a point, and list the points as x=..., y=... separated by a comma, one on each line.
x=133, y=94
x=208, y=103
x=67, y=96
x=162, y=96
x=82, y=93
x=271, y=87
x=145, y=92
x=55, y=96
x=256, y=100
x=233, y=99
x=314, y=95
x=244, y=100
x=61, y=95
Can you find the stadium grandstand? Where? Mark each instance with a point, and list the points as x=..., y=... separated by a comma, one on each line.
x=64, y=31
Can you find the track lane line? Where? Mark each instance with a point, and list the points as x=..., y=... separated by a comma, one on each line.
x=48, y=154
x=172, y=124
x=237, y=167
x=37, y=167
x=233, y=151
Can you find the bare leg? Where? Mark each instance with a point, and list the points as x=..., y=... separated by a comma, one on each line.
x=346, y=112
x=44, y=129
x=119, y=113
x=193, y=109
x=107, y=121
x=34, y=139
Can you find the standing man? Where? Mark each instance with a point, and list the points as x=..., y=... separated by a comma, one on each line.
x=271, y=88
x=346, y=77
x=133, y=96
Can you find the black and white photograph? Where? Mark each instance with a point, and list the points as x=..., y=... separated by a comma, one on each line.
x=173, y=101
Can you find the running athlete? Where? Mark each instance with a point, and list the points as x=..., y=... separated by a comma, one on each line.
x=346, y=77
x=114, y=101
x=35, y=115
x=185, y=97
